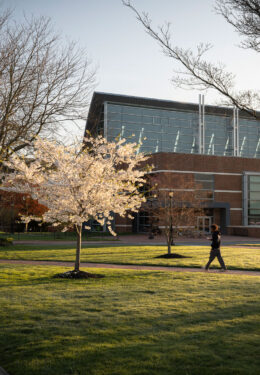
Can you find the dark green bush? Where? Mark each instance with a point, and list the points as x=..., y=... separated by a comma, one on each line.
x=6, y=241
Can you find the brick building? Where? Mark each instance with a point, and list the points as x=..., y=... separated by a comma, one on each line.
x=219, y=147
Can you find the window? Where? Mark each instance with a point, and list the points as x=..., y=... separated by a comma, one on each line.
x=144, y=222
x=204, y=185
x=253, y=200
x=177, y=130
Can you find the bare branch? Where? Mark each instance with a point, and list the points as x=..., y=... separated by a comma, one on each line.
x=43, y=82
x=244, y=16
x=198, y=72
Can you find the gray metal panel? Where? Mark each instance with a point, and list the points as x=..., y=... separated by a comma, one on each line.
x=105, y=120
x=245, y=194
x=245, y=198
x=100, y=97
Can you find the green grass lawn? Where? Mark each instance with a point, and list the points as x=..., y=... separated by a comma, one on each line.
x=197, y=256
x=249, y=244
x=128, y=323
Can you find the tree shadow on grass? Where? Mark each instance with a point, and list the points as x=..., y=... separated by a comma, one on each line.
x=163, y=347
x=172, y=256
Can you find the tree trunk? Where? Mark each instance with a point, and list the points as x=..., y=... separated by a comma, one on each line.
x=169, y=246
x=79, y=232
x=168, y=240
x=170, y=234
x=26, y=227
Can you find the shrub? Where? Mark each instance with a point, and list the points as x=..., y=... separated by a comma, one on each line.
x=6, y=241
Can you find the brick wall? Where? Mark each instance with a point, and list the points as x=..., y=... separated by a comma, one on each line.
x=228, y=177
x=204, y=163
x=227, y=172
x=244, y=231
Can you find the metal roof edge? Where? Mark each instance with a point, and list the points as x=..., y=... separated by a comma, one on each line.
x=108, y=95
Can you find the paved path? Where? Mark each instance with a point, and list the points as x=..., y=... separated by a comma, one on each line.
x=128, y=267
x=142, y=239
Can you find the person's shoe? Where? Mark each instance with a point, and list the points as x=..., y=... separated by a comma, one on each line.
x=205, y=269
x=223, y=269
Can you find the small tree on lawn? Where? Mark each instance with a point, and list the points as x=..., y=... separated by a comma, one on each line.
x=174, y=205
x=17, y=207
x=78, y=184
x=29, y=210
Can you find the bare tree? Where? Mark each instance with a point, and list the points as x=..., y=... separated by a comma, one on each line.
x=197, y=72
x=244, y=16
x=43, y=82
x=4, y=16
x=173, y=205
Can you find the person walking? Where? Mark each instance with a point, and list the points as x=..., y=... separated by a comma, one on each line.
x=215, y=248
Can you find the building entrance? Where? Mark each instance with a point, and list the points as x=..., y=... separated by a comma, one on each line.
x=204, y=223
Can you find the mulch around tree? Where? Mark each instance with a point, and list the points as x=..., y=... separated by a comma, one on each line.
x=170, y=256
x=78, y=275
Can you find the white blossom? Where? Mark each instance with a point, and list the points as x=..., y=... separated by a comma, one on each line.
x=81, y=182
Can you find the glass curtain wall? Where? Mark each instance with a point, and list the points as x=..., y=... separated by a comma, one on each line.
x=161, y=130
x=249, y=138
x=158, y=130
x=218, y=135
x=254, y=200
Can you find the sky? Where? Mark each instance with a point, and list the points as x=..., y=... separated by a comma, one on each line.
x=128, y=61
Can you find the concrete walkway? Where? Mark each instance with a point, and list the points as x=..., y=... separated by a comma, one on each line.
x=202, y=241
x=129, y=267
x=142, y=239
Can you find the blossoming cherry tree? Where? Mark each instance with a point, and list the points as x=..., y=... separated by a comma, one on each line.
x=78, y=183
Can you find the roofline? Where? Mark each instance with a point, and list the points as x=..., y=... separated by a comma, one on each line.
x=153, y=102
x=149, y=99
x=99, y=98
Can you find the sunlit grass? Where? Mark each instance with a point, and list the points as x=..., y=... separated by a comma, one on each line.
x=249, y=244
x=197, y=256
x=129, y=323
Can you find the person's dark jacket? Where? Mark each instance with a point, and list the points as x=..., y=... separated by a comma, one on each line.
x=216, y=240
